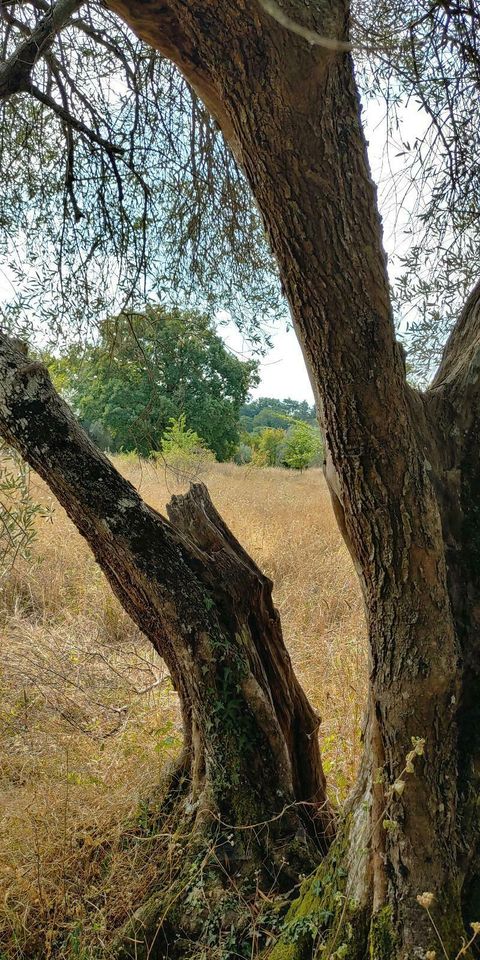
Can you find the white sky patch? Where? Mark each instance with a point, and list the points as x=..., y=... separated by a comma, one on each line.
x=7, y=285
x=282, y=371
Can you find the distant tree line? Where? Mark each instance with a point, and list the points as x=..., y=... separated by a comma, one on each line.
x=165, y=377
x=279, y=433
x=270, y=412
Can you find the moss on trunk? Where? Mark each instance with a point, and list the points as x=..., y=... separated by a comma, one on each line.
x=323, y=919
x=382, y=940
x=220, y=892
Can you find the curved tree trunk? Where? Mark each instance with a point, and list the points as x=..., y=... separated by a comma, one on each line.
x=403, y=469
x=453, y=415
x=403, y=485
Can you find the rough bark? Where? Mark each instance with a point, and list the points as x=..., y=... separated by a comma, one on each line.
x=453, y=412
x=404, y=477
x=291, y=113
x=251, y=753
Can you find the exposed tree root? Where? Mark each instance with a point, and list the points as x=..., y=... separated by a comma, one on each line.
x=224, y=890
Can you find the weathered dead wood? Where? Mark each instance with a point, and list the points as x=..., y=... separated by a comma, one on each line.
x=250, y=733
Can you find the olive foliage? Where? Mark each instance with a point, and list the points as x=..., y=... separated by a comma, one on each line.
x=422, y=60
x=118, y=188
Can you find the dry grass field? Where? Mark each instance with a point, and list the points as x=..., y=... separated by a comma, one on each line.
x=88, y=717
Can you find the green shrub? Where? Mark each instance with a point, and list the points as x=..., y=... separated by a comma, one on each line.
x=243, y=454
x=268, y=447
x=303, y=446
x=183, y=451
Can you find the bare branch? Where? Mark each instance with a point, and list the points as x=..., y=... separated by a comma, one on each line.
x=16, y=71
x=72, y=121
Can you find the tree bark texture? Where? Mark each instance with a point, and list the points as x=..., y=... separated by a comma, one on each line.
x=403, y=471
x=251, y=751
x=401, y=464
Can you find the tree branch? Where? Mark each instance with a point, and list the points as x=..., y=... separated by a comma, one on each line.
x=15, y=73
x=460, y=364
x=71, y=121
x=107, y=510
x=190, y=587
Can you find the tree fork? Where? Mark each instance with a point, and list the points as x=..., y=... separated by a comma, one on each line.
x=404, y=465
x=206, y=607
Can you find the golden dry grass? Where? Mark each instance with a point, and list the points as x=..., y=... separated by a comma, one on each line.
x=88, y=717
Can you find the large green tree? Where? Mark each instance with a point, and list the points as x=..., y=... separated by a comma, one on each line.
x=149, y=368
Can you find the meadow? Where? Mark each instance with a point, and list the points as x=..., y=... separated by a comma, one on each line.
x=88, y=717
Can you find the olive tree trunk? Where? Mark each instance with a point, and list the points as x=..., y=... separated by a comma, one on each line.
x=251, y=754
x=402, y=466
x=403, y=471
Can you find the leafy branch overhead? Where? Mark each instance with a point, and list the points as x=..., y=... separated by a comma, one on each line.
x=138, y=197
x=136, y=194
x=424, y=65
